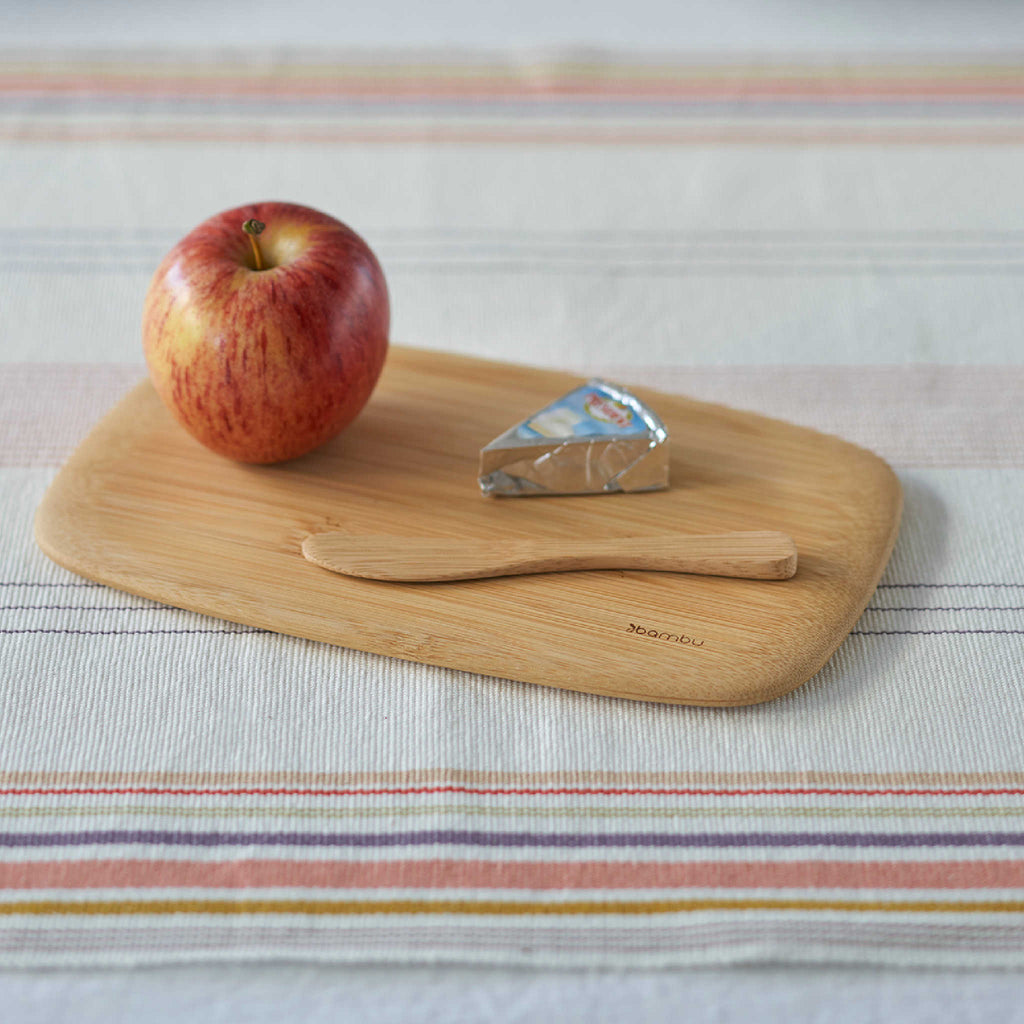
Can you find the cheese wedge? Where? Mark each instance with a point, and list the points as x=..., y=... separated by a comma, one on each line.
x=596, y=439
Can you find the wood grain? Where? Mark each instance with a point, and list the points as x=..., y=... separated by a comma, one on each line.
x=752, y=555
x=143, y=507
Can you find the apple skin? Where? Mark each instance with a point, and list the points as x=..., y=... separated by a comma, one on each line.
x=265, y=365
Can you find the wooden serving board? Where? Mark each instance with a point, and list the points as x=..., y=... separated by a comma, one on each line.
x=142, y=507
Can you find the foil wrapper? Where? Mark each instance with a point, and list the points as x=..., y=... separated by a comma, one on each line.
x=596, y=439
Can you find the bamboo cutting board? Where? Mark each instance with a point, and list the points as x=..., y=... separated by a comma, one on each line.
x=144, y=508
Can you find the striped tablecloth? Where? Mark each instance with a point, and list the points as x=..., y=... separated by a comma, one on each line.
x=838, y=245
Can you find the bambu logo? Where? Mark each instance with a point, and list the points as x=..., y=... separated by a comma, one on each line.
x=672, y=638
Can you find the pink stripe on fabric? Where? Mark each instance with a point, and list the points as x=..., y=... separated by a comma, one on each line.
x=462, y=874
x=923, y=416
x=919, y=415
x=386, y=79
x=512, y=133
x=47, y=408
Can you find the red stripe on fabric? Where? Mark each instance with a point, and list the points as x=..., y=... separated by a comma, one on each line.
x=512, y=86
x=461, y=874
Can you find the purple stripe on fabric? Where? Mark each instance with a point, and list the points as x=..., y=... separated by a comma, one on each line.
x=20, y=583
x=457, y=837
x=870, y=608
x=881, y=586
x=147, y=632
x=942, y=586
x=158, y=607
x=934, y=632
x=671, y=946
x=125, y=632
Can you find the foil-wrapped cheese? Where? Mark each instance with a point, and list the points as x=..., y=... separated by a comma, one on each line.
x=596, y=439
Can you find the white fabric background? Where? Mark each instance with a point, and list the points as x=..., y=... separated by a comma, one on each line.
x=319, y=995
x=409, y=995
x=450, y=200
x=734, y=26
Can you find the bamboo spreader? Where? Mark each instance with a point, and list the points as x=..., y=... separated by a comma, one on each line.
x=753, y=555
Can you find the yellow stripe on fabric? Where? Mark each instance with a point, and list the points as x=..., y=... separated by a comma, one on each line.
x=503, y=908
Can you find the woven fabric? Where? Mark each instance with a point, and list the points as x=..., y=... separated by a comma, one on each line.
x=841, y=247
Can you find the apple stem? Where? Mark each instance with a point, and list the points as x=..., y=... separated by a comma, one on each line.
x=252, y=228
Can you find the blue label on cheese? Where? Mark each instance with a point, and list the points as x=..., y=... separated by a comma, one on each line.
x=588, y=411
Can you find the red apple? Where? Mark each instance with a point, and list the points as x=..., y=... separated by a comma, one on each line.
x=265, y=345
